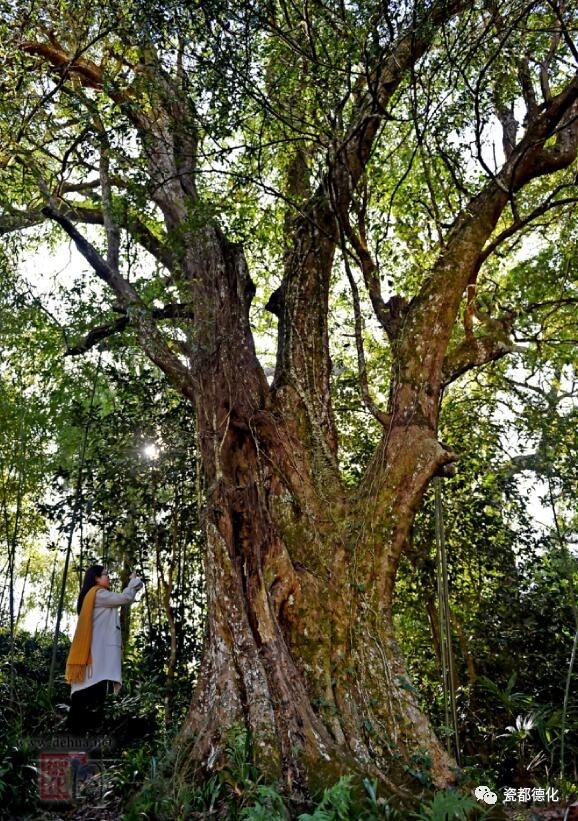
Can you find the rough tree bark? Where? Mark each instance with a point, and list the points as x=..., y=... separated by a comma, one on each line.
x=300, y=649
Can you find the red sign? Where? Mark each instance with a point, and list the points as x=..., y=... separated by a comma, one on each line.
x=57, y=774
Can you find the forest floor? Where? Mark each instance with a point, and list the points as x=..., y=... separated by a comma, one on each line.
x=549, y=812
x=83, y=813
x=109, y=810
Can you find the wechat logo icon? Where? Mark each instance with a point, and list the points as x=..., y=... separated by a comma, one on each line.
x=483, y=793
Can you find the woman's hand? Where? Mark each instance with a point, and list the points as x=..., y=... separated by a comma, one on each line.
x=133, y=575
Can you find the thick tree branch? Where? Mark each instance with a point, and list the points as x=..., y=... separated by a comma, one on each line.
x=527, y=86
x=96, y=335
x=383, y=80
x=180, y=138
x=419, y=372
x=522, y=221
x=432, y=314
x=171, y=152
x=477, y=350
x=525, y=461
x=15, y=220
x=532, y=158
x=303, y=353
x=77, y=187
x=509, y=125
x=112, y=278
x=153, y=342
x=65, y=64
x=109, y=218
x=100, y=332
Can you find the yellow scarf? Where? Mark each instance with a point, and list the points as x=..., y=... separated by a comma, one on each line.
x=79, y=656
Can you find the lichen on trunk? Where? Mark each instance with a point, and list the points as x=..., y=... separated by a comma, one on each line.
x=300, y=650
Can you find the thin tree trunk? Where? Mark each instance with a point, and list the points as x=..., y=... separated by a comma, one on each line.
x=73, y=518
x=167, y=583
x=12, y=534
x=50, y=592
x=25, y=579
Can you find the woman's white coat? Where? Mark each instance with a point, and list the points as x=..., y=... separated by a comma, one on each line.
x=106, y=646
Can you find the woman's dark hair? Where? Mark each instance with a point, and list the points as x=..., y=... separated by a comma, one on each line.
x=89, y=581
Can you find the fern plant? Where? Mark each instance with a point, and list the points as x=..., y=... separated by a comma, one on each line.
x=335, y=804
x=447, y=806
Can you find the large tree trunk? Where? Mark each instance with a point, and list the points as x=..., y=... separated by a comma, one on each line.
x=300, y=650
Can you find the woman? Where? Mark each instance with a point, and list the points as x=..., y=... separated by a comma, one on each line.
x=95, y=659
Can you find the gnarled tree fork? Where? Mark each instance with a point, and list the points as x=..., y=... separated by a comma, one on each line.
x=301, y=568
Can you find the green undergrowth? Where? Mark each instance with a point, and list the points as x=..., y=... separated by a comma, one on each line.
x=263, y=802
x=239, y=792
